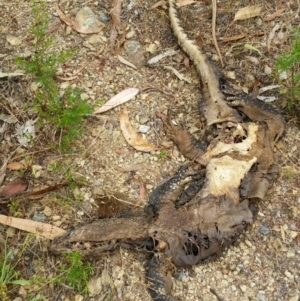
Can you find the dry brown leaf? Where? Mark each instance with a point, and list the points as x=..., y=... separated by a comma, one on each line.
x=233, y=38
x=118, y=99
x=116, y=21
x=185, y=2
x=274, y=15
x=71, y=77
x=186, y=62
x=247, y=13
x=178, y=74
x=133, y=139
x=142, y=195
x=77, y=27
x=125, y=62
x=19, y=185
x=157, y=58
x=53, y=27
x=46, y=230
x=16, y=166
x=33, y=194
x=161, y=3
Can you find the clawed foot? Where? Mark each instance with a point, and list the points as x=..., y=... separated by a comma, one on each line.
x=159, y=277
x=190, y=147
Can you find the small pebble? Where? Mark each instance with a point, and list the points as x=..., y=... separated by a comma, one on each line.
x=288, y=274
x=103, y=17
x=78, y=298
x=47, y=211
x=264, y=230
x=144, y=128
x=39, y=217
x=261, y=297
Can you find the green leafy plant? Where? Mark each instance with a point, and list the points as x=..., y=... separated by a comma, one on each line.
x=8, y=273
x=75, y=273
x=14, y=209
x=65, y=112
x=162, y=155
x=290, y=64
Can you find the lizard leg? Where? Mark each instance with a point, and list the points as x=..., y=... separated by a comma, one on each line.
x=159, y=278
x=192, y=189
x=188, y=145
x=257, y=110
x=168, y=192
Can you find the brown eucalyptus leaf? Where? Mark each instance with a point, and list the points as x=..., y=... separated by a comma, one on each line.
x=118, y=99
x=16, y=166
x=133, y=139
x=274, y=15
x=19, y=185
x=247, y=13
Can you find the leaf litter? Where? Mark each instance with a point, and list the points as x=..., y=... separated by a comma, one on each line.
x=117, y=100
x=132, y=138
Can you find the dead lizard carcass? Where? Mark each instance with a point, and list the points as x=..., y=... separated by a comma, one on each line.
x=183, y=225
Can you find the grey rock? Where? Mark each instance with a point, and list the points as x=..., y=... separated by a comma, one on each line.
x=135, y=53
x=86, y=17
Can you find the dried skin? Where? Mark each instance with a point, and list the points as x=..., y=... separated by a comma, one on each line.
x=238, y=164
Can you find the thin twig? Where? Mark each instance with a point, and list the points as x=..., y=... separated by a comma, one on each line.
x=213, y=27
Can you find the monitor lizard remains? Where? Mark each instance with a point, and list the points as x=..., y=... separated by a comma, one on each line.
x=204, y=207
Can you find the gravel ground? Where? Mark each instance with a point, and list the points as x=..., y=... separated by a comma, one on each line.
x=264, y=263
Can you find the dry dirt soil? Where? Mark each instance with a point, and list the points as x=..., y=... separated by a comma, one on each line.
x=109, y=174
